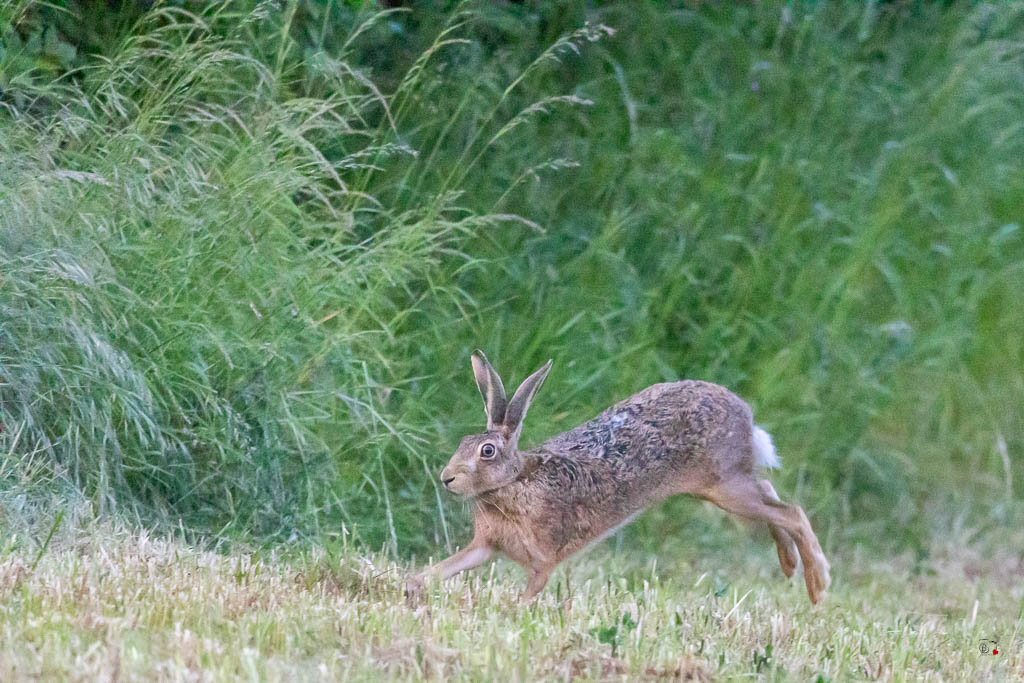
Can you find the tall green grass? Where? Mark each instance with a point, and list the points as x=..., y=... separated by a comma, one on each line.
x=246, y=252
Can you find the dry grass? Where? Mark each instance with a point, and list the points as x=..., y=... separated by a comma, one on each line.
x=111, y=605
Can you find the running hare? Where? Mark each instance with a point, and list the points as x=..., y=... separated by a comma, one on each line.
x=542, y=505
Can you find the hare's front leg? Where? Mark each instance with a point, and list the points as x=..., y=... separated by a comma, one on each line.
x=539, y=576
x=476, y=553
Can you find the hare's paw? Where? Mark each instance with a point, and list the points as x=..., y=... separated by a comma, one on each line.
x=415, y=588
x=824, y=571
x=817, y=578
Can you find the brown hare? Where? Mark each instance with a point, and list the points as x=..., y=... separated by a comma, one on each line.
x=542, y=505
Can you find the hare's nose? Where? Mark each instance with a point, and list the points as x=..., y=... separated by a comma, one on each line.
x=446, y=478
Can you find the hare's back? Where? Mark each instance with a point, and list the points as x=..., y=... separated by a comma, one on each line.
x=691, y=411
x=661, y=422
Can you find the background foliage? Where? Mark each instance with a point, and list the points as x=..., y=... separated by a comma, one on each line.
x=247, y=248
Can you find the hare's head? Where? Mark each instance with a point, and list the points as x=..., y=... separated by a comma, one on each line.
x=487, y=461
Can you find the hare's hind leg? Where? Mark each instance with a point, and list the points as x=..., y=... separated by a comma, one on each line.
x=748, y=498
x=784, y=543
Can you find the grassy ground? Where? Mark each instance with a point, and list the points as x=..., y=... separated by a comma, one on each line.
x=109, y=605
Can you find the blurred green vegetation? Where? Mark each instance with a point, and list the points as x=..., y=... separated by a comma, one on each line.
x=246, y=249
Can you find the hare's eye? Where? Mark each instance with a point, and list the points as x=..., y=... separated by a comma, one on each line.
x=487, y=451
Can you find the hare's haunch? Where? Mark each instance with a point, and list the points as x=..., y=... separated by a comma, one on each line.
x=542, y=505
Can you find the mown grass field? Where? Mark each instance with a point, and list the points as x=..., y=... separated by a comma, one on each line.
x=246, y=249
x=116, y=605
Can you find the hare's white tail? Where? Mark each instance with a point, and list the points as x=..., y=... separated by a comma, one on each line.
x=764, y=450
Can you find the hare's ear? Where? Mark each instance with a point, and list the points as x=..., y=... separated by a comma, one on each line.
x=491, y=389
x=520, y=402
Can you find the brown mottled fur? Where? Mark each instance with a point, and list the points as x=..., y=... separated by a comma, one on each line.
x=543, y=505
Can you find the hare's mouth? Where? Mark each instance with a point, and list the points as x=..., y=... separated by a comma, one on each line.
x=456, y=484
x=453, y=486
